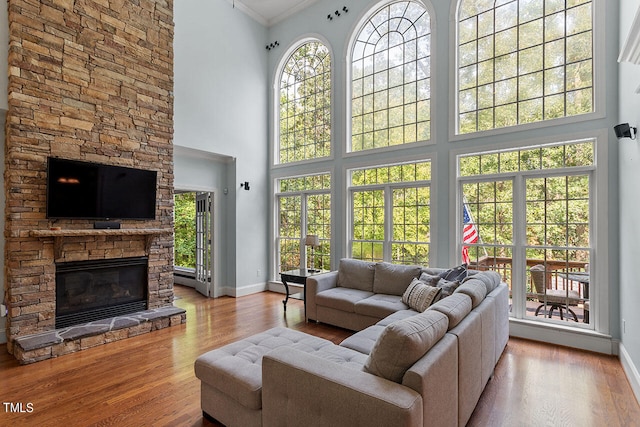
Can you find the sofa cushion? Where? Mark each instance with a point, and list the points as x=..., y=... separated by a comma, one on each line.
x=343, y=299
x=398, y=315
x=456, y=308
x=458, y=273
x=403, y=343
x=356, y=274
x=393, y=279
x=364, y=340
x=491, y=279
x=475, y=289
x=380, y=305
x=419, y=295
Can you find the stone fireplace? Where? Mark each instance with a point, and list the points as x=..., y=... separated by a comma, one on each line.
x=92, y=81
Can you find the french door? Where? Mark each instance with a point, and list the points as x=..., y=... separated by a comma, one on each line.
x=204, y=238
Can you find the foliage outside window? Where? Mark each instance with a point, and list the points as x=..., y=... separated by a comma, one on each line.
x=185, y=230
x=554, y=183
x=391, y=78
x=391, y=213
x=523, y=61
x=305, y=104
x=304, y=203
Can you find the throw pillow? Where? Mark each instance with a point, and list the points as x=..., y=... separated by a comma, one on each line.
x=419, y=296
x=429, y=279
x=454, y=274
x=447, y=287
x=403, y=343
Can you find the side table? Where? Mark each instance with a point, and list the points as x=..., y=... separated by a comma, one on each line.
x=298, y=276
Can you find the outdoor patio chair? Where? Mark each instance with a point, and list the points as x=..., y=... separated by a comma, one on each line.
x=553, y=298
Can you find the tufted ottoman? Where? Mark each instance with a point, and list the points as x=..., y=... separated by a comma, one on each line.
x=231, y=376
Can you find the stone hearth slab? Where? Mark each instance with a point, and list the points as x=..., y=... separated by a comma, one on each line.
x=44, y=340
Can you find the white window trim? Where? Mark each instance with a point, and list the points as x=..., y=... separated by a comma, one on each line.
x=274, y=146
x=347, y=55
x=598, y=339
x=599, y=81
x=348, y=198
x=274, y=233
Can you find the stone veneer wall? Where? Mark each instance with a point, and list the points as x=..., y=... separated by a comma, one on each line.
x=89, y=80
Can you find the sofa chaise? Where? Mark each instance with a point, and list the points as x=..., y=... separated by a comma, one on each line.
x=408, y=368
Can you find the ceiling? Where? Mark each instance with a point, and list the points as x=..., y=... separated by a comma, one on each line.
x=270, y=12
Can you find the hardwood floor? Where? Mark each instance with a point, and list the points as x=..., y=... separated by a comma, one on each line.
x=149, y=379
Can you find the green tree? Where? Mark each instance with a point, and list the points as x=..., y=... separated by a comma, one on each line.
x=185, y=230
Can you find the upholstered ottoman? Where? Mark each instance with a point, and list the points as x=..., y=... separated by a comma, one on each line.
x=231, y=376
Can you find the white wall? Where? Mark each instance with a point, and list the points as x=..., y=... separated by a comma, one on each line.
x=629, y=155
x=221, y=107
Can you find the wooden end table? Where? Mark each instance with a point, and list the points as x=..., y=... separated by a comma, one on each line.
x=298, y=276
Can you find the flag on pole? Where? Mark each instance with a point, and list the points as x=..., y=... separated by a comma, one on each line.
x=469, y=233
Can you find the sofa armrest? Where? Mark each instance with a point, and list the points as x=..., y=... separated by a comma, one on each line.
x=302, y=389
x=315, y=284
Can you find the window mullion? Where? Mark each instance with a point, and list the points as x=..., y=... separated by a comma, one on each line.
x=388, y=222
x=519, y=263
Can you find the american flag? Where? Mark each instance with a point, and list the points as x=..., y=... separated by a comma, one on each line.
x=469, y=233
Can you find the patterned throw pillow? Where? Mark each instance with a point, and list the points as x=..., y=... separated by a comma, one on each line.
x=455, y=274
x=419, y=296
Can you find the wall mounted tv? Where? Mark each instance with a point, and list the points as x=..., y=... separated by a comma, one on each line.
x=77, y=189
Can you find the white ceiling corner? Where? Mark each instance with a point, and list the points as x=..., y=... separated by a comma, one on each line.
x=270, y=12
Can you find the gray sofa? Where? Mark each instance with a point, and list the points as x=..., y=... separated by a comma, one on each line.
x=406, y=369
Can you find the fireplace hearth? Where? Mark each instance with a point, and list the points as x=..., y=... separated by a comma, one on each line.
x=92, y=290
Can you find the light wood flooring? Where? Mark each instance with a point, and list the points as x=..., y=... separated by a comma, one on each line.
x=149, y=379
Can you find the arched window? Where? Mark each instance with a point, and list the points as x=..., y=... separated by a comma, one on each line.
x=391, y=78
x=305, y=104
x=523, y=61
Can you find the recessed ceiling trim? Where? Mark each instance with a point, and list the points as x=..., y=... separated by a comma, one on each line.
x=270, y=13
x=248, y=11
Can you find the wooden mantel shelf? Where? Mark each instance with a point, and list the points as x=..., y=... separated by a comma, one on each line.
x=59, y=235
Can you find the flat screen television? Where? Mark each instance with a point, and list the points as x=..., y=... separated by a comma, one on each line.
x=77, y=189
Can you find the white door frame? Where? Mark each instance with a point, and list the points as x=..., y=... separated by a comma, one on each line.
x=215, y=287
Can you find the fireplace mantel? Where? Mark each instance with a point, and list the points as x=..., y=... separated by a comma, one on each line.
x=59, y=235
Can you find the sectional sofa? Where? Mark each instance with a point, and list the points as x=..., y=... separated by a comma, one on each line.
x=405, y=368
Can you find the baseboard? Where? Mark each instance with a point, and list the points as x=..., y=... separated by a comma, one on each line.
x=630, y=370
x=184, y=281
x=244, y=290
x=279, y=288
x=568, y=337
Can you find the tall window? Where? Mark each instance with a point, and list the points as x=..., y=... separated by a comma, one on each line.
x=530, y=209
x=391, y=213
x=305, y=104
x=304, y=207
x=391, y=85
x=523, y=61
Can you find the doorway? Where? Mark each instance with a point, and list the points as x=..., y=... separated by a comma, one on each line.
x=193, y=240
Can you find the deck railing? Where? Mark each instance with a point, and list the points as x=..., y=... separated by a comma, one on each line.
x=556, y=271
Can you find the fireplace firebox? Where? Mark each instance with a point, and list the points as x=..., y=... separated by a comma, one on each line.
x=92, y=290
